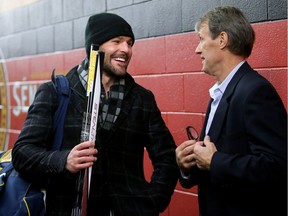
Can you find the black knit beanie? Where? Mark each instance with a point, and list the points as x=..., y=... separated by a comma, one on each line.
x=103, y=27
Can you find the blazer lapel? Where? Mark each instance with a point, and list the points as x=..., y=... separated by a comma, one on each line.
x=218, y=120
x=202, y=135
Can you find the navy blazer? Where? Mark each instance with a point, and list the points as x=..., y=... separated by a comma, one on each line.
x=118, y=180
x=248, y=173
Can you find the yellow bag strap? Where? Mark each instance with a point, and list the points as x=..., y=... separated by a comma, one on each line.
x=7, y=156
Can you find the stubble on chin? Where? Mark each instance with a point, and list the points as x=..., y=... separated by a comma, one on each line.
x=113, y=72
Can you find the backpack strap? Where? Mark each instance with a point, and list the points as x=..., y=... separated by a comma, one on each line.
x=5, y=165
x=6, y=156
x=4, y=171
x=63, y=90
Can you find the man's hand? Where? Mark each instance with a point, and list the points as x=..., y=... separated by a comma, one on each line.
x=184, y=156
x=203, y=153
x=81, y=156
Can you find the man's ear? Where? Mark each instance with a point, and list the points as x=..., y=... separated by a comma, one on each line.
x=223, y=40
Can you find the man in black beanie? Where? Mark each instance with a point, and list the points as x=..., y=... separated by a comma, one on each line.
x=129, y=123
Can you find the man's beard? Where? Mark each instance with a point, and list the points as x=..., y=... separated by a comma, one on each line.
x=112, y=71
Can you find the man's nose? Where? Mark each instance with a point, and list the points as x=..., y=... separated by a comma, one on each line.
x=198, y=49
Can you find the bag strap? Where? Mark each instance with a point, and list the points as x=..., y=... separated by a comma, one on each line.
x=6, y=156
x=63, y=90
x=5, y=170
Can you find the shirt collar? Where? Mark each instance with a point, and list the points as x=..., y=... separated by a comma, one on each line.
x=219, y=89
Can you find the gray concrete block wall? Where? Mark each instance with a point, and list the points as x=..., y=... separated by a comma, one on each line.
x=256, y=11
x=47, y=26
x=36, y=17
x=277, y=9
x=112, y=4
x=29, y=43
x=45, y=39
x=53, y=11
x=93, y=7
x=63, y=36
x=72, y=9
x=6, y=24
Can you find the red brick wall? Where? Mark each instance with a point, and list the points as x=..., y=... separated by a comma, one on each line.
x=169, y=67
